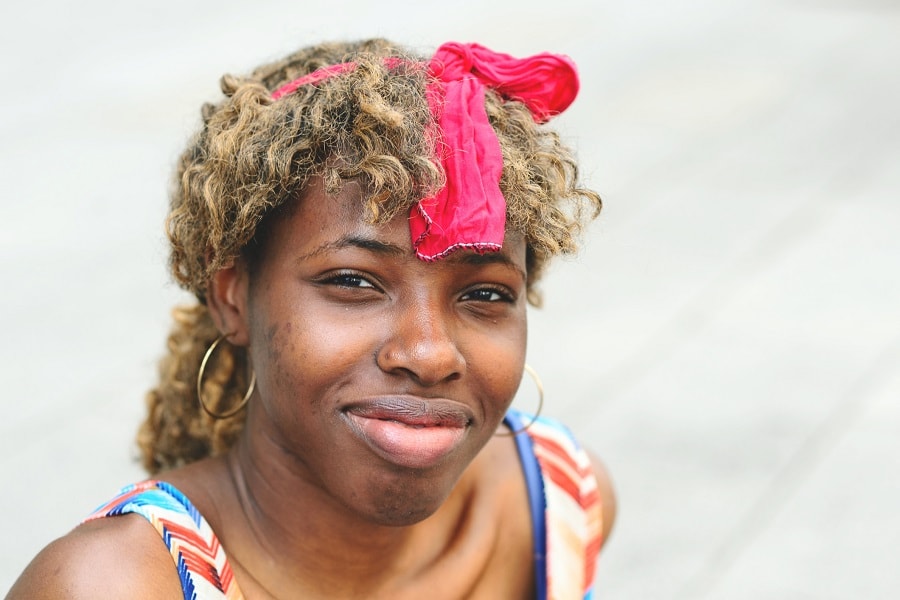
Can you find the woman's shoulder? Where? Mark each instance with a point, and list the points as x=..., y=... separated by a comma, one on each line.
x=119, y=557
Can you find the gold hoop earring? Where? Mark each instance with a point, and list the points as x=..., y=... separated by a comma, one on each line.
x=540, y=388
x=236, y=409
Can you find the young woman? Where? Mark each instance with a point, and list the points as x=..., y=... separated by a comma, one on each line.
x=362, y=229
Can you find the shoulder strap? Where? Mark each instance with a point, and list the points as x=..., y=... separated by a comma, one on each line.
x=199, y=557
x=534, y=483
x=571, y=521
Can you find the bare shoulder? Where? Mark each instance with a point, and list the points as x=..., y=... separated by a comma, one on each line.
x=116, y=557
x=607, y=494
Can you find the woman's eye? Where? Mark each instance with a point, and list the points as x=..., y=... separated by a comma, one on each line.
x=487, y=295
x=349, y=280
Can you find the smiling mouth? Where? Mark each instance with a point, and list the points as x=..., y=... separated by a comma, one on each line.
x=408, y=431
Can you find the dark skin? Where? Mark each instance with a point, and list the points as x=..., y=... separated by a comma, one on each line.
x=325, y=496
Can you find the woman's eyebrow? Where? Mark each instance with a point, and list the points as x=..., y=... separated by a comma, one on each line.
x=488, y=258
x=387, y=249
x=357, y=241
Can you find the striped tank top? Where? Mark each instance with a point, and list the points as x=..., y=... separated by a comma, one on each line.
x=562, y=493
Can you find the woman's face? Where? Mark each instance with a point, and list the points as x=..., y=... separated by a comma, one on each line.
x=380, y=376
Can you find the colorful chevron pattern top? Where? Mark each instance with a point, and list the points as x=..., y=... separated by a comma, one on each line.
x=200, y=559
x=565, y=506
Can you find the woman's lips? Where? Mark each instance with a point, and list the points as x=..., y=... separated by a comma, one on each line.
x=411, y=432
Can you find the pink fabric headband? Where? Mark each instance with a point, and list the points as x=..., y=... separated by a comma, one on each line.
x=470, y=211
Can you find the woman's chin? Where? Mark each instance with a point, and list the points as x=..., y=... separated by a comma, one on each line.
x=402, y=501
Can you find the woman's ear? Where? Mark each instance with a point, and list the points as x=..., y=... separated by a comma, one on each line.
x=227, y=301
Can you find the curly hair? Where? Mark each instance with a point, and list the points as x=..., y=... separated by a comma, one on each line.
x=252, y=154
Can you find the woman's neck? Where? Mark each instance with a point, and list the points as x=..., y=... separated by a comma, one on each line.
x=287, y=528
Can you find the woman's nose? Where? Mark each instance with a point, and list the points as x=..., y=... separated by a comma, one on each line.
x=422, y=343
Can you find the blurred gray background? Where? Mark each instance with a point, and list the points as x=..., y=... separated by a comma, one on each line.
x=728, y=340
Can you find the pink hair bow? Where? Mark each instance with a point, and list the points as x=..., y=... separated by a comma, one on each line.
x=470, y=211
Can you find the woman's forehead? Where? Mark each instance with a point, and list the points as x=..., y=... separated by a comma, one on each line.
x=326, y=222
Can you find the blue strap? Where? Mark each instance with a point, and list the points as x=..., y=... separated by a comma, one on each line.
x=534, y=482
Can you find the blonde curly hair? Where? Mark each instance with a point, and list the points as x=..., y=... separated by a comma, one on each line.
x=253, y=154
